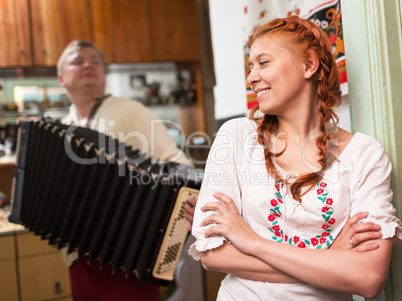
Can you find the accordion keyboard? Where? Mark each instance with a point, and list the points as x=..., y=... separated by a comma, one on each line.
x=175, y=237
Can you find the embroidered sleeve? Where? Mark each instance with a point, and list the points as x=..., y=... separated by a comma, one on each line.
x=219, y=176
x=371, y=191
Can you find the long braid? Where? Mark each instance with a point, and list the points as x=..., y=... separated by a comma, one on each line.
x=307, y=36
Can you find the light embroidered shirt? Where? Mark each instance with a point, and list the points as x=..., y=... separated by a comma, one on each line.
x=358, y=181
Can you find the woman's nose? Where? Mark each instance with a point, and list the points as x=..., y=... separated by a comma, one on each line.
x=253, y=77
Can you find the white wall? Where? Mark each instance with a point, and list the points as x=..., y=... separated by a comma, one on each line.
x=227, y=43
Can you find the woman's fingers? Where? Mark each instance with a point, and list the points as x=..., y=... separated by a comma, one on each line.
x=227, y=201
x=211, y=219
x=354, y=220
x=214, y=206
x=356, y=235
x=366, y=247
x=364, y=232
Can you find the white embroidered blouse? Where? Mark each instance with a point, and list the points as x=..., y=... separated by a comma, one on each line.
x=358, y=181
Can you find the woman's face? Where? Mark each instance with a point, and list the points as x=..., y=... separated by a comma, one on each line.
x=276, y=76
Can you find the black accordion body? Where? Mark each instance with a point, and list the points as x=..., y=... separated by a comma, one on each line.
x=83, y=190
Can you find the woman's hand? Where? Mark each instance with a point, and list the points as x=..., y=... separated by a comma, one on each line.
x=356, y=236
x=230, y=223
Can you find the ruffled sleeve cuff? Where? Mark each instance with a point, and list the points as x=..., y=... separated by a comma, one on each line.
x=389, y=229
x=205, y=244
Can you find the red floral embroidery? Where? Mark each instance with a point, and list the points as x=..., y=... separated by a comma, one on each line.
x=301, y=245
x=274, y=203
x=325, y=209
x=314, y=241
x=276, y=227
x=324, y=239
x=271, y=217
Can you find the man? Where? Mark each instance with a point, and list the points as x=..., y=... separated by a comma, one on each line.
x=81, y=70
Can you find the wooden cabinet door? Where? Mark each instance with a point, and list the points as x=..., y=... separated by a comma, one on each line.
x=8, y=270
x=174, y=30
x=14, y=30
x=121, y=30
x=44, y=277
x=8, y=281
x=55, y=23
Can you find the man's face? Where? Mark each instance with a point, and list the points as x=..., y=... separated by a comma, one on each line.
x=83, y=69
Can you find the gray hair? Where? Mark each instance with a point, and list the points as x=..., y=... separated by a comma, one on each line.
x=73, y=46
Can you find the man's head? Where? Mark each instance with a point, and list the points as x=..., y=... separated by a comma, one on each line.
x=82, y=65
x=71, y=48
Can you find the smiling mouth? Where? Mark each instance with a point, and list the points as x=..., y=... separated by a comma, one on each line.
x=262, y=92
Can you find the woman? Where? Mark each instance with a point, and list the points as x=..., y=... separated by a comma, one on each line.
x=279, y=188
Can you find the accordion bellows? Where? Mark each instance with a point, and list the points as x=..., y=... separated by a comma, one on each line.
x=80, y=189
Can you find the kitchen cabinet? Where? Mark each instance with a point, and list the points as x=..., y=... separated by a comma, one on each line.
x=55, y=23
x=174, y=30
x=126, y=31
x=8, y=274
x=42, y=272
x=30, y=268
x=14, y=30
x=144, y=31
x=121, y=30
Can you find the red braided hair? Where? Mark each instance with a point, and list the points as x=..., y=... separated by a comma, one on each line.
x=304, y=36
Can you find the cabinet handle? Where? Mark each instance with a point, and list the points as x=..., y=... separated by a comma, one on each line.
x=43, y=50
x=57, y=288
x=143, y=47
x=20, y=50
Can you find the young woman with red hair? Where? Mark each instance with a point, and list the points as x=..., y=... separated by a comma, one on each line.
x=292, y=206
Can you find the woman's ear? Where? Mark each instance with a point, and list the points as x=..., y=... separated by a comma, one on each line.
x=311, y=64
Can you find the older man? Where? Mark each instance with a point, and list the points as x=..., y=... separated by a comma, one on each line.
x=81, y=70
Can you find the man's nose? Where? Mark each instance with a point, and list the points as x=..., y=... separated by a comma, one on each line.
x=87, y=64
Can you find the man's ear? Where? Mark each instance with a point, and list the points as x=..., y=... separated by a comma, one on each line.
x=311, y=64
x=61, y=80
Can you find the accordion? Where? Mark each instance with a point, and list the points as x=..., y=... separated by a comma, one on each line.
x=86, y=191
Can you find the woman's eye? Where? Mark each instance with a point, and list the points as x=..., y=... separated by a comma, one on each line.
x=263, y=63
